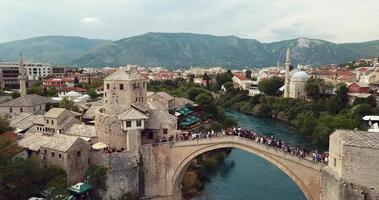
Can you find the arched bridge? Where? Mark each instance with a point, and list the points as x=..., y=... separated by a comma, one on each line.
x=165, y=164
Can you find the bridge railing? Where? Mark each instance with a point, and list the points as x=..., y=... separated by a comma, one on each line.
x=306, y=161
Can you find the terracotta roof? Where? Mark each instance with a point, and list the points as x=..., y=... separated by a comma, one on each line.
x=27, y=100
x=10, y=135
x=68, y=89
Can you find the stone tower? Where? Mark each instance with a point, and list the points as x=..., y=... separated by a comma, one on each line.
x=353, y=168
x=122, y=89
x=118, y=122
x=287, y=80
x=22, y=76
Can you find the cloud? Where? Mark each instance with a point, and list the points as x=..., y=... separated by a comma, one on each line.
x=91, y=20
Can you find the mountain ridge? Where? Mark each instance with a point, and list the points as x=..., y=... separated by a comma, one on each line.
x=173, y=50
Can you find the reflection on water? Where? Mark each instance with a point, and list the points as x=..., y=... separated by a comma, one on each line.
x=246, y=176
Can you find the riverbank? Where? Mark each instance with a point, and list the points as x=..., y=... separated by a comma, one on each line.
x=200, y=170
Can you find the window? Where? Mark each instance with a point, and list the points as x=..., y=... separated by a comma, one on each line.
x=128, y=124
x=334, y=162
x=107, y=86
x=121, y=86
x=143, y=84
x=34, y=108
x=21, y=110
x=45, y=151
x=10, y=110
x=139, y=123
x=78, y=153
x=136, y=99
x=105, y=94
x=165, y=131
x=52, y=154
x=52, y=122
x=60, y=156
x=47, y=121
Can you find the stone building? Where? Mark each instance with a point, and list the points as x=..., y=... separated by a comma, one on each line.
x=57, y=120
x=71, y=153
x=297, y=85
x=30, y=103
x=352, y=171
x=161, y=100
x=295, y=80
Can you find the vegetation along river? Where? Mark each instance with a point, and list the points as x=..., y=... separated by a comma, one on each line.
x=245, y=176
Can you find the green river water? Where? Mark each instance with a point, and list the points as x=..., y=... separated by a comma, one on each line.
x=245, y=176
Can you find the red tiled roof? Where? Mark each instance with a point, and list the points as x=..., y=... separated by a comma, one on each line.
x=240, y=76
x=11, y=135
x=68, y=89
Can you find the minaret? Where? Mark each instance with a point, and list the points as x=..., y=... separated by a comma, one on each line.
x=22, y=76
x=287, y=80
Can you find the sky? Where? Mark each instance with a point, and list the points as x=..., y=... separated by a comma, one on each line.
x=264, y=20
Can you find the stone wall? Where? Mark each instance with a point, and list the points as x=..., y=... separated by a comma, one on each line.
x=122, y=173
x=335, y=189
x=109, y=131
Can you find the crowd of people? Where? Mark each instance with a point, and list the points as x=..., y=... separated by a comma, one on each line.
x=316, y=156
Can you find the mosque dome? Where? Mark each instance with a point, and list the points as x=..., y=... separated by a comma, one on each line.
x=301, y=75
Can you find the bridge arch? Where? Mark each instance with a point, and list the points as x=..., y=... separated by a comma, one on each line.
x=166, y=163
x=282, y=164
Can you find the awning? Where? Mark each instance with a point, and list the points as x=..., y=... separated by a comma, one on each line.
x=99, y=145
x=189, y=120
x=184, y=111
x=80, y=188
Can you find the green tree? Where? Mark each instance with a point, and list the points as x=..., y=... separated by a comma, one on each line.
x=305, y=122
x=223, y=78
x=270, y=86
x=313, y=87
x=92, y=93
x=248, y=74
x=68, y=104
x=97, y=176
x=342, y=97
x=204, y=99
x=4, y=124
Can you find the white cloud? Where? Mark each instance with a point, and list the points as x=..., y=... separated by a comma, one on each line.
x=91, y=20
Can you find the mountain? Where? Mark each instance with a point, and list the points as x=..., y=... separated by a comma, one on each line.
x=52, y=49
x=174, y=50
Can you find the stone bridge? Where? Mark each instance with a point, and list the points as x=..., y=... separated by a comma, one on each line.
x=164, y=165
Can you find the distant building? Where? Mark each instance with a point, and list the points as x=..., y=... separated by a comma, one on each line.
x=30, y=103
x=295, y=80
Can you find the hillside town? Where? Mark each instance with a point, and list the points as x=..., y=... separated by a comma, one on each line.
x=75, y=118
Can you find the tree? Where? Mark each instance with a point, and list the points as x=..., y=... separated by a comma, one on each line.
x=192, y=93
x=92, y=93
x=313, y=87
x=270, y=86
x=206, y=78
x=342, y=97
x=305, y=122
x=68, y=104
x=97, y=176
x=4, y=124
x=223, y=78
x=204, y=99
x=248, y=74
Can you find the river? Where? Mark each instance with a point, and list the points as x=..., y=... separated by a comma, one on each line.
x=244, y=176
